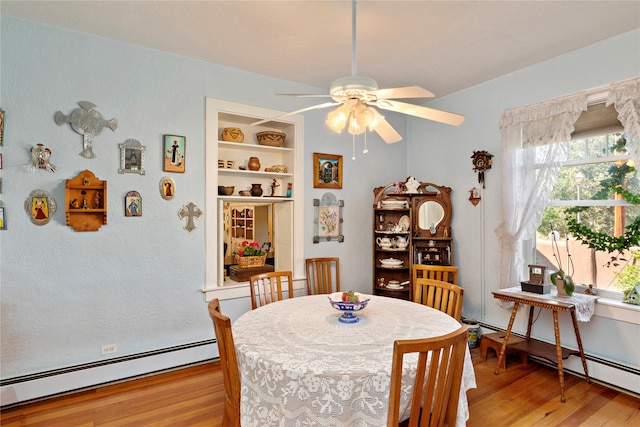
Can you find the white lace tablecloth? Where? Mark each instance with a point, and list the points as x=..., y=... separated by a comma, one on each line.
x=299, y=366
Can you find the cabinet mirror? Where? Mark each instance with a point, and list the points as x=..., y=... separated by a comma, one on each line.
x=430, y=214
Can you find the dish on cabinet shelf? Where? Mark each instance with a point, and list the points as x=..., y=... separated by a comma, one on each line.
x=394, y=203
x=404, y=223
x=391, y=262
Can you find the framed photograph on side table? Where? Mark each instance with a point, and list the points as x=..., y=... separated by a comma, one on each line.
x=327, y=170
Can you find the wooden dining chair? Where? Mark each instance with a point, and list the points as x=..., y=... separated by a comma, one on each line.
x=437, y=381
x=323, y=275
x=267, y=287
x=446, y=273
x=229, y=362
x=440, y=295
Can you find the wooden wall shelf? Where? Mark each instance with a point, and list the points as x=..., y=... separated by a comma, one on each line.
x=86, y=202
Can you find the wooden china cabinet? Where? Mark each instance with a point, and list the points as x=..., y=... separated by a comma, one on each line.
x=411, y=225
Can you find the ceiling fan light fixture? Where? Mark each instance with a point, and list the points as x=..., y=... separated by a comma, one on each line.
x=364, y=115
x=377, y=118
x=337, y=119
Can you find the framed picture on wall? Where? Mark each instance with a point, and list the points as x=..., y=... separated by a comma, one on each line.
x=174, y=153
x=132, y=204
x=3, y=221
x=1, y=126
x=327, y=170
x=132, y=157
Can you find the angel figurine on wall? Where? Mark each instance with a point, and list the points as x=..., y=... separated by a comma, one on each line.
x=41, y=158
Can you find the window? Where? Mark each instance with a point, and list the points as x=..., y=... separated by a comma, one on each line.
x=597, y=155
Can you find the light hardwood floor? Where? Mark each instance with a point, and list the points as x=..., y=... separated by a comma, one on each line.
x=523, y=395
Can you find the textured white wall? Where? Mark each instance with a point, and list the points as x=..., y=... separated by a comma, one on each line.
x=443, y=155
x=136, y=282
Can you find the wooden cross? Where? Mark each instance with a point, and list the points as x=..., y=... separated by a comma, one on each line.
x=190, y=211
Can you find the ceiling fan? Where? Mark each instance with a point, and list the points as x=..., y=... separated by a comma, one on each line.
x=357, y=95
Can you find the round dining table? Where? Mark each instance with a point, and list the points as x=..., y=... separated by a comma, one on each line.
x=300, y=366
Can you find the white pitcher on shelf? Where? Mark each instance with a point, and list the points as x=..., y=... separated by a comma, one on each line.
x=401, y=242
x=384, y=242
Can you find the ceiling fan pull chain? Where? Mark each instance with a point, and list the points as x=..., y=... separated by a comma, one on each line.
x=353, y=147
x=365, y=151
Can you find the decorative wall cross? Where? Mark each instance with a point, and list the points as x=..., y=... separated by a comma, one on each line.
x=190, y=211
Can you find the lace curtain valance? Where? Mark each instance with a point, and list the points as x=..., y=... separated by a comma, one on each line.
x=534, y=145
x=625, y=96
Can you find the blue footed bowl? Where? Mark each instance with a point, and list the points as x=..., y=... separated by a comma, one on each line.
x=348, y=308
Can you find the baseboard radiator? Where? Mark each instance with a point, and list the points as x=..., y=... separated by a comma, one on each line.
x=47, y=384
x=606, y=372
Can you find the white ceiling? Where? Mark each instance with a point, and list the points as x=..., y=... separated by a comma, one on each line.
x=443, y=46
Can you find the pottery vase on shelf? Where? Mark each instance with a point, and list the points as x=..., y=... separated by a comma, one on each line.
x=254, y=164
x=256, y=190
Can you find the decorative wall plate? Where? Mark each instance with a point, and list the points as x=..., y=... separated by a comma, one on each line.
x=40, y=206
x=404, y=223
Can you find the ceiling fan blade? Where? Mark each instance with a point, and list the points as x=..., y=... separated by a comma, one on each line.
x=402, y=92
x=386, y=131
x=305, y=95
x=313, y=107
x=441, y=116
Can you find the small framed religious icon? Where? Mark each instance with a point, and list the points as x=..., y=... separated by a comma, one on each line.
x=174, y=153
x=133, y=204
x=1, y=127
x=40, y=206
x=132, y=157
x=167, y=188
x=3, y=219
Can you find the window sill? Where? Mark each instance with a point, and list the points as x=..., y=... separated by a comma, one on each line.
x=610, y=306
x=617, y=310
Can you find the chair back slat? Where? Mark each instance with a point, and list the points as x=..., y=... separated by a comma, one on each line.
x=229, y=363
x=440, y=295
x=436, y=387
x=266, y=288
x=323, y=275
x=445, y=273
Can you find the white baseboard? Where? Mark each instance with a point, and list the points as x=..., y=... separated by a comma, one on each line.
x=34, y=387
x=608, y=373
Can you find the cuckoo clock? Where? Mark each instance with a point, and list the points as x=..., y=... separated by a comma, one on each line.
x=481, y=162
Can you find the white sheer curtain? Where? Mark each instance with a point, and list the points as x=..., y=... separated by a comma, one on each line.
x=534, y=144
x=625, y=95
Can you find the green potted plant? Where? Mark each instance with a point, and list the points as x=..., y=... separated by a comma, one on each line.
x=628, y=279
x=561, y=280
